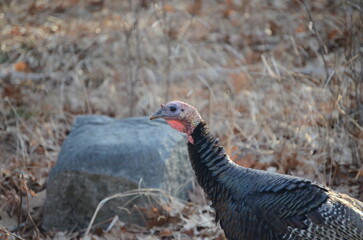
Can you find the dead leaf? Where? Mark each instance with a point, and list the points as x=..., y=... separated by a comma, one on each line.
x=165, y=233
x=250, y=161
x=302, y=28
x=196, y=8
x=13, y=92
x=168, y=8
x=21, y=67
x=240, y=81
x=154, y=216
x=230, y=9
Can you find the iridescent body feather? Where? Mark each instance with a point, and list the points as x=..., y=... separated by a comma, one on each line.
x=258, y=205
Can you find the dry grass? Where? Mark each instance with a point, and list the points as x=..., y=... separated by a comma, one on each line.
x=279, y=82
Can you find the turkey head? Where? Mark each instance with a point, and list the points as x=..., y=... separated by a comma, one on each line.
x=180, y=116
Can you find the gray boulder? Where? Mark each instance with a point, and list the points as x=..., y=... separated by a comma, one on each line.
x=101, y=157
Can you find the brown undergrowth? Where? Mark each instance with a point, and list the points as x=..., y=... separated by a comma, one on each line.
x=280, y=83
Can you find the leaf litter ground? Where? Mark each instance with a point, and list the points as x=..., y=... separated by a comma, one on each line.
x=277, y=82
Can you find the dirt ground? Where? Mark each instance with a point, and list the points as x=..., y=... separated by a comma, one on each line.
x=279, y=82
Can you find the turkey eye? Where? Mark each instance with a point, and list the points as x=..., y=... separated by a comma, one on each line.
x=173, y=109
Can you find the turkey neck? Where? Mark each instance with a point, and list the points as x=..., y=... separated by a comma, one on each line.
x=212, y=166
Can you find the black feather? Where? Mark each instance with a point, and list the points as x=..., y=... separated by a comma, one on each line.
x=252, y=204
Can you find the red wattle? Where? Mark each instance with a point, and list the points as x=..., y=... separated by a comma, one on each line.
x=178, y=125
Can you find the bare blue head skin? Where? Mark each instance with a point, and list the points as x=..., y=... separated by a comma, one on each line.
x=180, y=116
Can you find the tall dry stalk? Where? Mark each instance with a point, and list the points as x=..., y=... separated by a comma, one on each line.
x=354, y=60
x=132, y=41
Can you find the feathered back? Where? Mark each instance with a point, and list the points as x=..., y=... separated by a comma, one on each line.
x=253, y=204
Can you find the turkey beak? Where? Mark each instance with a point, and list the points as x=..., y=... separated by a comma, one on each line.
x=159, y=113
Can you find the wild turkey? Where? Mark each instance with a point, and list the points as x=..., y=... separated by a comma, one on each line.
x=253, y=204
